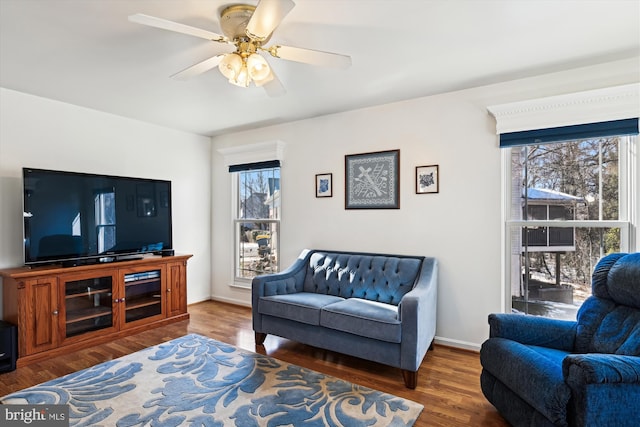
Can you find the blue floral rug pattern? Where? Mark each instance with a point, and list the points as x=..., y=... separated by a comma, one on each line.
x=198, y=381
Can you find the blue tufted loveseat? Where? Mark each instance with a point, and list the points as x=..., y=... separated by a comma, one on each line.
x=547, y=372
x=376, y=307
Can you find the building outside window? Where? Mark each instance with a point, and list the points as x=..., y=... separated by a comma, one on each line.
x=569, y=206
x=257, y=223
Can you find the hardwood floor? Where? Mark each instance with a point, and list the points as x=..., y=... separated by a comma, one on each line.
x=448, y=381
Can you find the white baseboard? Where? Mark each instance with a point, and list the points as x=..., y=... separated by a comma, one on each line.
x=457, y=344
x=232, y=301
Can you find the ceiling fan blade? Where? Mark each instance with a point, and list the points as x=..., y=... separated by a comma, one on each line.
x=267, y=17
x=272, y=85
x=152, y=21
x=199, y=68
x=310, y=56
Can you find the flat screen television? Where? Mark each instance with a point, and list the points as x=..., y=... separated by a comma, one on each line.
x=79, y=218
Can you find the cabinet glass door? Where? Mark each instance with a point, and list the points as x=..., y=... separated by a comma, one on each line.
x=143, y=295
x=88, y=305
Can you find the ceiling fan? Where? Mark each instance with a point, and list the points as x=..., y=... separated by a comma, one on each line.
x=248, y=28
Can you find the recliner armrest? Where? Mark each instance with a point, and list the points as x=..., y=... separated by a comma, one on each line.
x=595, y=368
x=533, y=330
x=605, y=389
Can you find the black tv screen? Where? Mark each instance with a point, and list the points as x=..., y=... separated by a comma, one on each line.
x=70, y=216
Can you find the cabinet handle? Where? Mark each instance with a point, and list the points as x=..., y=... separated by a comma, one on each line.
x=168, y=289
x=55, y=312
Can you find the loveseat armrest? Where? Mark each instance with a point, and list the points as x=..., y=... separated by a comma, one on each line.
x=417, y=311
x=594, y=368
x=533, y=330
x=287, y=281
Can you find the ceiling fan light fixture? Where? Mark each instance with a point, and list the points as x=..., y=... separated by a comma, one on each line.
x=241, y=69
x=258, y=67
x=243, y=78
x=231, y=65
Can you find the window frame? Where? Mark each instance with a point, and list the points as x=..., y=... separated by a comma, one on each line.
x=238, y=281
x=627, y=200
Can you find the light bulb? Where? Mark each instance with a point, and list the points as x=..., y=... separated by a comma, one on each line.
x=230, y=66
x=258, y=67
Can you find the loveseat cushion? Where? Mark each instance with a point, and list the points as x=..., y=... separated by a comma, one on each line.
x=303, y=307
x=362, y=317
x=373, y=277
x=543, y=388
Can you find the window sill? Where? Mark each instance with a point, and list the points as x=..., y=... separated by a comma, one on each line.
x=241, y=285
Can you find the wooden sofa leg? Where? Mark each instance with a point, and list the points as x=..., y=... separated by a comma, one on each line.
x=410, y=378
x=260, y=337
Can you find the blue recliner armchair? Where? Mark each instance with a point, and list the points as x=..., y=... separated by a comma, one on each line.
x=546, y=372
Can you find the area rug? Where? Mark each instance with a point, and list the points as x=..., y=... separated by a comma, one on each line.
x=198, y=381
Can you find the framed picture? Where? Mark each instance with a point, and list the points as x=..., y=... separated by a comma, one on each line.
x=324, y=185
x=372, y=180
x=427, y=180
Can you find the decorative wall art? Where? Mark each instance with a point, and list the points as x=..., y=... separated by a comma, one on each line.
x=324, y=185
x=372, y=180
x=427, y=180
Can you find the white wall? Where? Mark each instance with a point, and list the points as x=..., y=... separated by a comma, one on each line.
x=461, y=226
x=41, y=133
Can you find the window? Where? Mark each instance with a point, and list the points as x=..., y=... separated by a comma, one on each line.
x=257, y=220
x=569, y=205
x=569, y=193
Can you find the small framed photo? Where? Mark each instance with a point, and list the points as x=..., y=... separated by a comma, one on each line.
x=324, y=185
x=427, y=179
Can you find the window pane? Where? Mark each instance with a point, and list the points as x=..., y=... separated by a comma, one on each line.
x=555, y=284
x=257, y=248
x=580, y=177
x=259, y=193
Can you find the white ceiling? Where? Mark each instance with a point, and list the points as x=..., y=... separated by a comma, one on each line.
x=86, y=52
